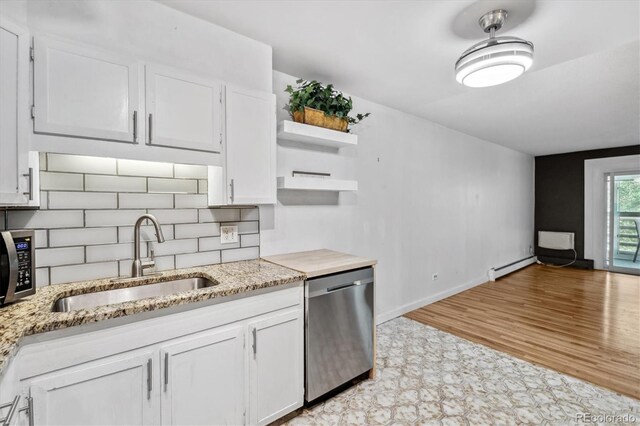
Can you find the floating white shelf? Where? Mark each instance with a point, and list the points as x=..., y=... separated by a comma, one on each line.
x=316, y=184
x=314, y=135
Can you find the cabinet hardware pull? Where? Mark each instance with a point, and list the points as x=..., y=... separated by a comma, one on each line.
x=14, y=404
x=166, y=370
x=135, y=126
x=149, y=377
x=255, y=341
x=233, y=191
x=30, y=177
x=150, y=127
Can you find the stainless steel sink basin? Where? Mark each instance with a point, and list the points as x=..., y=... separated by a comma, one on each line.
x=108, y=297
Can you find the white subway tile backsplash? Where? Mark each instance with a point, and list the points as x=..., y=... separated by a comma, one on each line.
x=46, y=219
x=190, y=171
x=88, y=205
x=42, y=276
x=147, y=233
x=145, y=201
x=82, y=200
x=106, y=183
x=175, y=215
x=61, y=181
x=174, y=247
x=235, y=255
x=112, y=217
x=213, y=243
x=190, y=201
x=81, y=164
x=202, y=186
x=114, y=252
x=250, y=240
x=202, y=258
x=42, y=160
x=87, y=271
x=184, y=186
x=244, y=227
x=144, y=168
x=196, y=230
x=219, y=215
x=59, y=256
x=42, y=238
x=44, y=200
x=250, y=214
x=82, y=236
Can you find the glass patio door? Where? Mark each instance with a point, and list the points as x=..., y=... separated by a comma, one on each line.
x=623, y=222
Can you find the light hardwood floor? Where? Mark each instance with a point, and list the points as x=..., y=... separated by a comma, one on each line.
x=582, y=323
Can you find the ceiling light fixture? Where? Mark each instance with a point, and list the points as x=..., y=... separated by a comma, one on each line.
x=495, y=60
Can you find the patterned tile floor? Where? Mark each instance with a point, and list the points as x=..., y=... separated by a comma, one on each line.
x=429, y=377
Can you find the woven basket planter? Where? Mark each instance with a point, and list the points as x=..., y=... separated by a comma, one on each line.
x=315, y=117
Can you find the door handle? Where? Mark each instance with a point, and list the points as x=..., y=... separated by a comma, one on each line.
x=135, y=126
x=166, y=370
x=255, y=341
x=30, y=177
x=149, y=377
x=150, y=127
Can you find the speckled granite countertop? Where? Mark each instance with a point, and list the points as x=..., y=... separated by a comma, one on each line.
x=34, y=315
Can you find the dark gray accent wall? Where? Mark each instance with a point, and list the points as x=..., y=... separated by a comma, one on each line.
x=559, y=195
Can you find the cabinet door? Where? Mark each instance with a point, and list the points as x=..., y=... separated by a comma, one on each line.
x=14, y=95
x=183, y=110
x=251, y=146
x=203, y=379
x=276, y=366
x=118, y=390
x=80, y=91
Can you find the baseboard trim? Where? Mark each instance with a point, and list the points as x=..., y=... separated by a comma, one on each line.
x=496, y=273
x=387, y=316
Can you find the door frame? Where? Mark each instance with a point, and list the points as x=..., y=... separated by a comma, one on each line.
x=595, y=202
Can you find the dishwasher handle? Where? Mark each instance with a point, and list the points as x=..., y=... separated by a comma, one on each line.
x=340, y=287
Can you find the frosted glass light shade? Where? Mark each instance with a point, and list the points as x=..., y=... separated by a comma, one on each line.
x=494, y=61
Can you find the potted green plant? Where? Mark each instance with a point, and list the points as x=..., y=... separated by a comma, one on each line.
x=311, y=102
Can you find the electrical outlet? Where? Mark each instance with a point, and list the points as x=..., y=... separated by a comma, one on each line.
x=434, y=277
x=228, y=234
x=531, y=250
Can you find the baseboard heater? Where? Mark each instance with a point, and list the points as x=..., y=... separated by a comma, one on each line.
x=495, y=273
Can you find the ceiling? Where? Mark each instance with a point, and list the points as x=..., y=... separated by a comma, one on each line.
x=582, y=92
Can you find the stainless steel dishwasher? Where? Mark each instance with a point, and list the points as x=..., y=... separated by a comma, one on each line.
x=338, y=330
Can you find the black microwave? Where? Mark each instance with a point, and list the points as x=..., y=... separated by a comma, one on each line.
x=17, y=265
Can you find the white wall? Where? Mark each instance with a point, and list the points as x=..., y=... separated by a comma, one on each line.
x=430, y=200
x=150, y=32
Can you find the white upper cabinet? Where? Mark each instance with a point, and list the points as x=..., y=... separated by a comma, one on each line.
x=14, y=107
x=250, y=146
x=183, y=110
x=85, y=92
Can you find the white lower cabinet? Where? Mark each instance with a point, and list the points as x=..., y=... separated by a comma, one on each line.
x=114, y=391
x=233, y=363
x=203, y=379
x=276, y=366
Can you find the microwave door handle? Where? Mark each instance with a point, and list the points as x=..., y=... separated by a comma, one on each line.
x=7, y=239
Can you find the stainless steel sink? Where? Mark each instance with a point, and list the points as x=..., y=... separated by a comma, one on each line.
x=108, y=297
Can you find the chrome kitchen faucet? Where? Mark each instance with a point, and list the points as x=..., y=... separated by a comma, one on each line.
x=138, y=266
